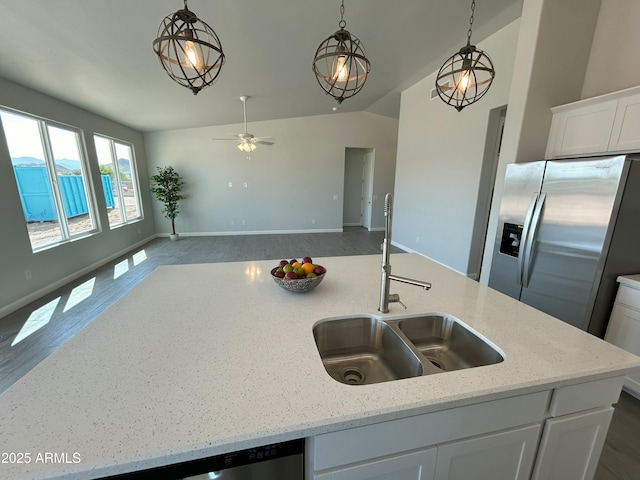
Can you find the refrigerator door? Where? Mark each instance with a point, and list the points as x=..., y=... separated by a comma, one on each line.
x=571, y=237
x=521, y=188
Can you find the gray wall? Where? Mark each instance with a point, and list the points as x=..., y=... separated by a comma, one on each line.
x=295, y=185
x=439, y=165
x=55, y=266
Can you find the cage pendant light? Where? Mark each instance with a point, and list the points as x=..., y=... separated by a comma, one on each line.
x=189, y=50
x=467, y=75
x=340, y=64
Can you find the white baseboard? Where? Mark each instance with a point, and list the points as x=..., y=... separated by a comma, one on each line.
x=357, y=224
x=253, y=232
x=26, y=300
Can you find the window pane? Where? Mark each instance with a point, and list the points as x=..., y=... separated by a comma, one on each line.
x=110, y=181
x=118, y=169
x=73, y=191
x=127, y=178
x=33, y=178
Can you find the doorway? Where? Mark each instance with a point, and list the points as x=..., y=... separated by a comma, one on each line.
x=359, y=168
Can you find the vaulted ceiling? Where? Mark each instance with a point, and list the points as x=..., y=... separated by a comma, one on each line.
x=97, y=54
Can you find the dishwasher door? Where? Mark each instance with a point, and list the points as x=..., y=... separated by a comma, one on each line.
x=284, y=468
x=277, y=461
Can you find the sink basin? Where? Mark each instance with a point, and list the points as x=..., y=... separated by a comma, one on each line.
x=366, y=349
x=447, y=344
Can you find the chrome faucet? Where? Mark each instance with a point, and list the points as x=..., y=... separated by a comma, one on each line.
x=385, y=296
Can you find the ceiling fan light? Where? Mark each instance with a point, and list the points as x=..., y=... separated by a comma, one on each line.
x=189, y=50
x=246, y=146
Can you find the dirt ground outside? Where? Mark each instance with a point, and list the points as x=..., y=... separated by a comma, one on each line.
x=43, y=233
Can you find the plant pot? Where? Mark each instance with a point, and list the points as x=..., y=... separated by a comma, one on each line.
x=173, y=237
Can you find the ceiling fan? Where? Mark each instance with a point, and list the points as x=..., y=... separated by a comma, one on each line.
x=246, y=141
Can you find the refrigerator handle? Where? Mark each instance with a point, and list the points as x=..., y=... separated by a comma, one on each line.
x=524, y=236
x=533, y=231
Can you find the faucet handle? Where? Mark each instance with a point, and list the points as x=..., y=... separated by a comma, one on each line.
x=395, y=298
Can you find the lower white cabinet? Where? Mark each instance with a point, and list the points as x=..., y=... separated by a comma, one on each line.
x=548, y=435
x=506, y=455
x=624, y=324
x=571, y=445
x=410, y=466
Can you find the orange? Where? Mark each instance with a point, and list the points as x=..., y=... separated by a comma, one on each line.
x=296, y=264
x=308, y=267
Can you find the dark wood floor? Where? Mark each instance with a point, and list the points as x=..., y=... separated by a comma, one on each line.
x=621, y=455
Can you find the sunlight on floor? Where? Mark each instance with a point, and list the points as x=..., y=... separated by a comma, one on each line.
x=120, y=268
x=139, y=257
x=80, y=293
x=38, y=319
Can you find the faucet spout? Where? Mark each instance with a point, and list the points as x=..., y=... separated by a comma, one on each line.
x=385, y=283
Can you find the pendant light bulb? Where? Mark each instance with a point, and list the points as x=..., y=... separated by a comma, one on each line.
x=342, y=71
x=191, y=54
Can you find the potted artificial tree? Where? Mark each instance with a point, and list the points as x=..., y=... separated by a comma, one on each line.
x=166, y=185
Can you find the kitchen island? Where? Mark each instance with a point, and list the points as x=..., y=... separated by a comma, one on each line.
x=199, y=360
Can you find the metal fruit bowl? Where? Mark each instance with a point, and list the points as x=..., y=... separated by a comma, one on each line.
x=299, y=285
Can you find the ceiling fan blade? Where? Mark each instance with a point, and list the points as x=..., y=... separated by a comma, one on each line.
x=263, y=142
x=234, y=139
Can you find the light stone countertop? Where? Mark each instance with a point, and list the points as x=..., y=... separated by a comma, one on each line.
x=199, y=360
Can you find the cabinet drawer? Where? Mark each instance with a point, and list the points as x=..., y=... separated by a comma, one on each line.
x=585, y=396
x=628, y=296
x=358, y=444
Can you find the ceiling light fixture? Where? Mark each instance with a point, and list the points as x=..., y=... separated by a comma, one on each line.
x=467, y=75
x=189, y=50
x=340, y=64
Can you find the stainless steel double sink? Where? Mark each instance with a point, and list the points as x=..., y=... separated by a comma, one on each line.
x=366, y=349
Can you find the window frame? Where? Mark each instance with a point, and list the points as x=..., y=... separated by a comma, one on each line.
x=43, y=125
x=135, y=178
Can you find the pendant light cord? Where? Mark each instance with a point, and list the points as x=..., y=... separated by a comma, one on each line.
x=473, y=7
x=342, y=23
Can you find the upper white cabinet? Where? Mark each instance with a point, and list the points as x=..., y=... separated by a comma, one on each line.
x=606, y=124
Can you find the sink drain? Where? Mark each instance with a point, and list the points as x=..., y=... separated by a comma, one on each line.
x=435, y=363
x=353, y=376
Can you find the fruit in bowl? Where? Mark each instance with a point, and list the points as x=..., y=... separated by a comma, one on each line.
x=298, y=276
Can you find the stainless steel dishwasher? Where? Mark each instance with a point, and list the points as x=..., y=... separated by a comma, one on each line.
x=277, y=461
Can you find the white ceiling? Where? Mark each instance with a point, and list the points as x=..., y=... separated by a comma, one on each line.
x=97, y=54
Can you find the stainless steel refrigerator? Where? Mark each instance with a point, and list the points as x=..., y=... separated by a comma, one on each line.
x=567, y=229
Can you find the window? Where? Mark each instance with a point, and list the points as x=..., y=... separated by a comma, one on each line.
x=117, y=163
x=52, y=178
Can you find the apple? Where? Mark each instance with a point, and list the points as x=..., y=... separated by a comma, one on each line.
x=279, y=273
x=282, y=263
x=299, y=272
x=292, y=261
x=290, y=275
x=307, y=260
x=319, y=270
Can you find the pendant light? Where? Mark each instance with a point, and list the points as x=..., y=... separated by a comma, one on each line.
x=340, y=64
x=189, y=50
x=467, y=75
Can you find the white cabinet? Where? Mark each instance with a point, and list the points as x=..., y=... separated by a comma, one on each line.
x=606, y=124
x=624, y=324
x=494, y=440
x=571, y=445
x=411, y=466
x=506, y=456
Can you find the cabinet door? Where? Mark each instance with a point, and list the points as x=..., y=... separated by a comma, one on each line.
x=582, y=130
x=625, y=136
x=506, y=455
x=411, y=466
x=571, y=445
x=624, y=331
